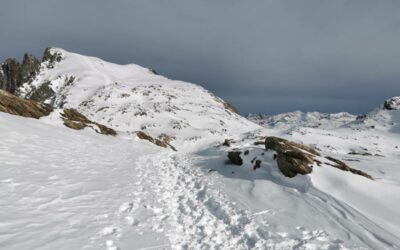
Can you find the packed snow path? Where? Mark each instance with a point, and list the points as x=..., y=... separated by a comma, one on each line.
x=184, y=203
x=196, y=214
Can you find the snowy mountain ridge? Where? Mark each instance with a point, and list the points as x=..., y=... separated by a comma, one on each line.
x=131, y=98
x=384, y=116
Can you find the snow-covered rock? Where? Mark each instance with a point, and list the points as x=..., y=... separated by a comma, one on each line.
x=392, y=103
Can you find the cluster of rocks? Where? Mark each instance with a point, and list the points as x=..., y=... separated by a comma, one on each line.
x=14, y=74
x=294, y=158
x=14, y=105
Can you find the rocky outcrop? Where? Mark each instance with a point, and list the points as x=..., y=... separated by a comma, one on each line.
x=230, y=107
x=295, y=158
x=75, y=120
x=42, y=93
x=29, y=69
x=17, y=106
x=392, y=103
x=13, y=74
x=161, y=143
x=51, y=57
x=292, y=158
x=234, y=157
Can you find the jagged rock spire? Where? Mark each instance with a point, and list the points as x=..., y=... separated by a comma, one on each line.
x=13, y=74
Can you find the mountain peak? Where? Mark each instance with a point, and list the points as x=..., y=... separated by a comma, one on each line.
x=129, y=98
x=392, y=103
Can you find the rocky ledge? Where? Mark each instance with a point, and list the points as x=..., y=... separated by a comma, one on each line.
x=27, y=108
x=75, y=120
x=294, y=158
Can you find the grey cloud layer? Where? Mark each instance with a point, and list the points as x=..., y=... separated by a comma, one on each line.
x=263, y=56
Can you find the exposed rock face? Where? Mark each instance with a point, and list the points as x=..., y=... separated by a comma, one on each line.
x=75, y=120
x=30, y=68
x=44, y=92
x=13, y=74
x=164, y=144
x=234, y=157
x=392, y=103
x=292, y=158
x=230, y=107
x=51, y=57
x=17, y=106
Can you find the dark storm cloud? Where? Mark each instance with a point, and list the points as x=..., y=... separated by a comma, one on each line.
x=263, y=56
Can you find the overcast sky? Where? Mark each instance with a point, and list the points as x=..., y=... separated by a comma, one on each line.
x=262, y=56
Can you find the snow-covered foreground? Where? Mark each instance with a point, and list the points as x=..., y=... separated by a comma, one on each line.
x=66, y=189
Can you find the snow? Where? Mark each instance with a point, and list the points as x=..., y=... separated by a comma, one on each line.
x=130, y=98
x=67, y=189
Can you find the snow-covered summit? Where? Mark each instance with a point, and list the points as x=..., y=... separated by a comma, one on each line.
x=130, y=98
x=392, y=103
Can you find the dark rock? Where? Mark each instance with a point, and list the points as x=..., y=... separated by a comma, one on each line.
x=292, y=158
x=246, y=152
x=362, y=117
x=227, y=143
x=282, y=145
x=259, y=142
x=343, y=166
x=30, y=68
x=51, y=57
x=17, y=106
x=293, y=163
x=153, y=71
x=392, y=103
x=11, y=75
x=164, y=144
x=75, y=120
x=234, y=157
x=43, y=93
x=257, y=164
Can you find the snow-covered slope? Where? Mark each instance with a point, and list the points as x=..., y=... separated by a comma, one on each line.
x=130, y=98
x=369, y=142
